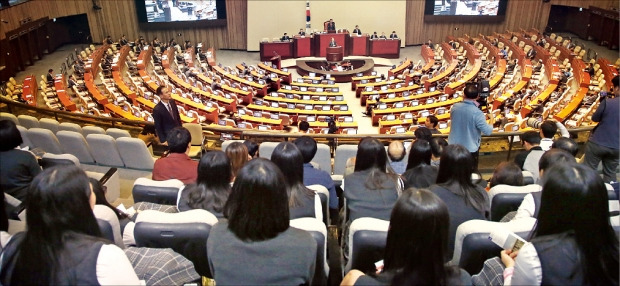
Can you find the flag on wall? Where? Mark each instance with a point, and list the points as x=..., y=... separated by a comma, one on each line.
x=308, y=26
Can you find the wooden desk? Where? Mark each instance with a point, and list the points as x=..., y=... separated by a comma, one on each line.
x=228, y=103
x=321, y=42
x=119, y=112
x=377, y=113
x=570, y=108
x=296, y=112
x=400, y=68
x=122, y=87
x=29, y=90
x=452, y=87
x=450, y=56
x=261, y=89
x=303, y=46
x=277, y=123
x=398, y=91
x=384, y=48
x=284, y=75
x=429, y=57
x=299, y=92
x=59, y=84
x=301, y=101
x=407, y=98
x=540, y=99
x=283, y=49
x=358, y=45
x=608, y=70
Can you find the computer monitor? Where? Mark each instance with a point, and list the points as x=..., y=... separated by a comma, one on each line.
x=197, y=100
x=339, y=98
x=411, y=83
x=430, y=100
x=290, y=96
x=274, y=94
x=275, y=105
x=291, y=106
x=415, y=103
x=399, y=105
x=331, y=82
x=364, y=81
x=303, y=88
x=352, y=131
x=443, y=98
x=227, y=96
x=326, y=108
x=335, y=89
x=309, y=107
x=431, y=89
x=273, y=75
x=300, y=80
x=312, y=74
x=369, y=88
x=263, y=128
x=408, y=116
x=258, y=114
x=390, y=117
x=391, y=95
x=311, y=118
x=261, y=82
x=285, y=69
x=359, y=74
x=244, y=88
x=274, y=116
x=221, y=122
x=241, y=125
x=328, y=76
x=398, y=85
x=444, y=125
x=424, y=113
x=319, y=89
x=274, y=66
x=440, y=111
x=515, y=127
x=373, y=73
x=420, y=91
x=316, y=81
x=258, y=102
x=125, y=108
x=392, y=77
x=288, y=87
x=305, y=97
x=406, y=93
x=348, y=119
x=384, y=87
x=241, y=112
x=322, y=98
x=344, y=107
x=377, y=79
x=382, y=106
x=400, y=130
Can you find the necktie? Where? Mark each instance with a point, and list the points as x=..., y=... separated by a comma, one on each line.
x=169, y=110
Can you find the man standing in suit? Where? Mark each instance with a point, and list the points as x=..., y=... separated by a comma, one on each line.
x=165, y=114
x=357, y=30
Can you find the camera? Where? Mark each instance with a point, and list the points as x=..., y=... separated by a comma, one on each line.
x=533, y=122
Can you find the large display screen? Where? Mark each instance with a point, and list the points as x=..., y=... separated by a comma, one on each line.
x=470, y=10
x=175, y=13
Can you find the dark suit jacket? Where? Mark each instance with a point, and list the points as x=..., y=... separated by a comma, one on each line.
x=50, y=78
x=331, y=26
x=374, y=36
x=393, y=36
x=357, y=31
x=163, y=121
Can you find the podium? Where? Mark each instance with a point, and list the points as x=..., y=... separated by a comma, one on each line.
x=275, y=61
x=334, y=54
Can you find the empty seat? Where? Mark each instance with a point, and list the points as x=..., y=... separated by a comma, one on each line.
x=197, y=142
x=117, y=133
x=87, y=130
x=68, y=126
x=343, y=153
x=45, y=140
x=159, y=192
x=9, y=116
x=104, y=150
x=135, y=154
x=75, y=144
x=266, y=148
x=319, y=232
x=185, y=233
x=366, y=242
x=28, y=121
x=49, y=124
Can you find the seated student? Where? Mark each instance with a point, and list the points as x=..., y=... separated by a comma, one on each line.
x=437, y=145
x=465, y=200
x=313, y=176
x=528, y=160
x=374, y=36
x=531, y=202
x=393, y=35
x=573, y=241
x=414, y=258
x=212, y=186
x=396, y=153
x=256, y=245
x=506, y=173
x=420, y=173
x=371, y=190
x=252, y=148
x=567, y=144
x=17, y=167
x=238, y=155
x=303, y=202
x=547, y=131
x=177, y=165
x=285, y=37
x=431, y=123
x=304, y=126
x=62, y=244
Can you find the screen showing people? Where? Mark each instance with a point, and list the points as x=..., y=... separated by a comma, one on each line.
x=460, y=7
x=176, y=10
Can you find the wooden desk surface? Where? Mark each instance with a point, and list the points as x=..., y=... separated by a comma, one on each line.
x=262, y=120
x=406, y=98
x=572, y=105
x=433, y=105
x=301, y=101
x=224, y=73
x=121, y=112
x=299, y=92
x=300, y=111
x=380, y=83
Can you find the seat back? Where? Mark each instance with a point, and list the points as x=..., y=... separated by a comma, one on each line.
x=9, y=116
x=28, y=121
x=343, y=153
x=266, y=148
x=104, y=150
x=49, y=160
x=117, y=133
x=477, y=247
x=159, y=192
x=319, y=232
x=504, y=203
x=195, y=130
x=49, y=124
x=367, y=238
x=323, y=158
x=45, y=140
x=24, y=133
x=87, y=130
x=74, y=143
x=186, y=233
x=134, y=153
x=228, y=142
x=324, y=196
x=106, y=230
x=68, y=126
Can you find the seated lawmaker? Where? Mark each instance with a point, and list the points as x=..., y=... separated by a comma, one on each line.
x=333, y=43
x=285, y=37
x=301, y=32
x=177, y=165
x=382, y=36
x=256, y=245
x=357, y=30
x=393, y=35
x=374, y=36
